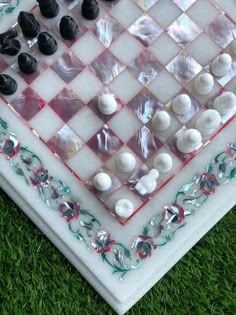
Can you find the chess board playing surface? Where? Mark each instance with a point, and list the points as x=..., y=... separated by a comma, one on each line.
x=145, y=53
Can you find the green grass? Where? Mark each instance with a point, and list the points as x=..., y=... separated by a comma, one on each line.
x=36, y=279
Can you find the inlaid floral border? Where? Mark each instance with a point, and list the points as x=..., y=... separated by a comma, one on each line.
x=86, y=227
x=7, y=8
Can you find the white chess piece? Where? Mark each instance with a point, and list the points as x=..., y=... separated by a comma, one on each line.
x=124, y=208
x=208, y=122
x=107, y=104
x=161, y=120
x=225, y=102
x=102, y=182
x=189, y=140
x=147, y=183
x=221, y=65
x=163, y=162
x=181, y=105
x=203, y=85
x=125, y=162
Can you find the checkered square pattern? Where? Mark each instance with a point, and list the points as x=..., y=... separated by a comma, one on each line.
x=144, y=53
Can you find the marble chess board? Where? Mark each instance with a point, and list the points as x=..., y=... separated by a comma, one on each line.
x=54, y=140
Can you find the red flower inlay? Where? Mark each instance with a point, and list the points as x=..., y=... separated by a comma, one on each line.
x=103, y=243
x=10, y=147
x=69, y=210
x=173, y=214
x=40, y=178
x=144, y=245
x=208, y=182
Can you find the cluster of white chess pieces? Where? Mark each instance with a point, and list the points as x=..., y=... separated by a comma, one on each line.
x=187, y=141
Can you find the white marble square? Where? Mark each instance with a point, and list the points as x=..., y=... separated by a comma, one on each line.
x=85, y=123
x=164, y=87
x=125, y=124
x=198, y=49
x=84, y=163
x=48, y=91
x=126, y=48
x=87, y=48
x=203, y=12
x=126, y=12
x=227, y=6
x=164, y=48
x=119, y=86
x=86, y=85
x=157, y=12
x=41, y=118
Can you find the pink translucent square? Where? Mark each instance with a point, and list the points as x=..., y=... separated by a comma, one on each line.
x=93, y=105
x=222, y=30
x=184, y=68
x=103, y=195
x=183, y=30
x=145, y=67
x=105, y=143
x=68, y=66
x=184, y=4
x=144, y=143
x=107, y=30
x=66, y=104
x=106, y=67
x=65, y=143
x=145, y=30
x=27, y=104
x=144, y=105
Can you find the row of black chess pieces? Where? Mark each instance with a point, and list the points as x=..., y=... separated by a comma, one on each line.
x=30, y=27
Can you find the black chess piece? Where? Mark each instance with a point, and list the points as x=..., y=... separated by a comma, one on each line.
x=68, y=28
x=47, y=44
x=90, y=9
x=10, y=47
x=4, y=37
x=8, y=85
x=29, y=25
x=27, y=63
x=48, y=8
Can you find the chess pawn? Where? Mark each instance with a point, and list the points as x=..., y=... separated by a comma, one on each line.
x=4, y=37
x=163, y=162
x=47, y=44
x=48, y=8
x=102, y=182
x=124, y=208
x=10, y=47
x=68, y=28
x=8, y=85
x=125, y=162
x=181, y=105
x=189, y=140
x=221, y=65
x=90, y=9
x=107, y=104
x=203, y=85
x=147, y=183
x=29, y=26
x=161, y=120
x=27, y=63
x=225, y=102
x=208, y=122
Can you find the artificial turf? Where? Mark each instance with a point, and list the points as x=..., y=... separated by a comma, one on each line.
x=36, y=279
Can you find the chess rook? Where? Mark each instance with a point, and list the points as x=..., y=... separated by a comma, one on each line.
x=48, y=8
x=181, y=105
x=208, y=122
x=68, y=28
x=189, y=140
x=29, y=26
x=221, y=65
x=124, y=208
x=47, y=44
x=161, y=120
x=225, y=102
x=203, y=85
x=8, y=85
x=27, y=63
x=163, y=163
x=90, y=9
